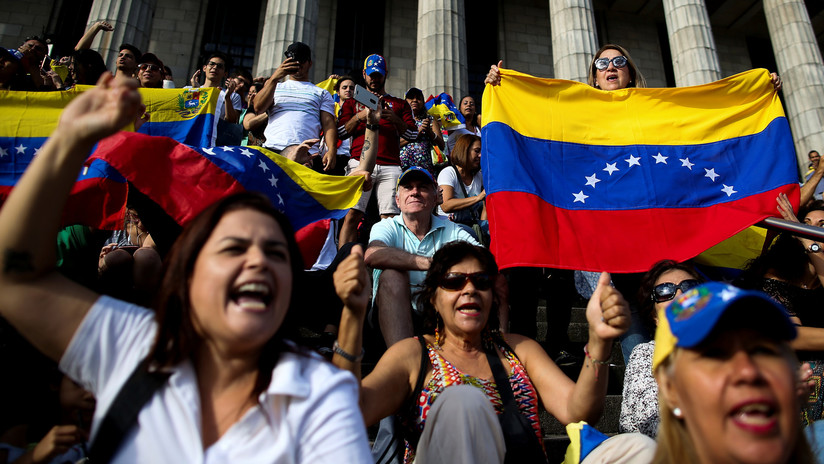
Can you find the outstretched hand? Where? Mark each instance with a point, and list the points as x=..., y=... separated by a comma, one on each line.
x=351, y=282
x=102, y=110
x=607, y=311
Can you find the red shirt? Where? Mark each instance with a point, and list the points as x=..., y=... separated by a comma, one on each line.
x=388, y=136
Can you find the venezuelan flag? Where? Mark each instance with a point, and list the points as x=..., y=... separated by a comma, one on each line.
x=186, y=115
x=443, y=108
x=184, y=180
x=580, y=178
x=329, y=86
x=98, y=198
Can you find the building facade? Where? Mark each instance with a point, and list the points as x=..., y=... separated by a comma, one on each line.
x=448, y=45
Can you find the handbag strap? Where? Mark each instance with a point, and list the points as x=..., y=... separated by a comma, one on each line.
x=473, y=210
x=501, y=379
x=122, y=414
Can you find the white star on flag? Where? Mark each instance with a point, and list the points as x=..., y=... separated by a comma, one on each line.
x=20, y=149
x=3, y=152
x=580, y=197
x=36, y=151
x=685, y=162
x=659, y=158
x=245, y=152
x=728, y=190
x=592, y=180
x=227, y=148
x=728, y=293
x=263, y=166
x=711, y=174
x=633, y=161
x=273, y=181
x=611, y=168
x=280, y=199
x=209, y=151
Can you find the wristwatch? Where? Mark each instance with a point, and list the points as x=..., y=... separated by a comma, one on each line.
x=373, y=127
x=814, y=248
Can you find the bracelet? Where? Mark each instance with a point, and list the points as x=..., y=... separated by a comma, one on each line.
x=373, y=127
x=347, y=356
x=595, y=362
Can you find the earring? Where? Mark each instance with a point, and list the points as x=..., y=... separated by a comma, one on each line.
x=437, y=339
x=677, y=413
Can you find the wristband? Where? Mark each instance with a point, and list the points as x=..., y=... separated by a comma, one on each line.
x=347, y=356
x=373, y=127
x=595, y=362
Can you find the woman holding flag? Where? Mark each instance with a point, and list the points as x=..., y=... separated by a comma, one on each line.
x=208, y=375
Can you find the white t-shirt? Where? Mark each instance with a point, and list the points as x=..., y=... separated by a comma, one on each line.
x=448, y=176
x=308, y=414
x=296, y=114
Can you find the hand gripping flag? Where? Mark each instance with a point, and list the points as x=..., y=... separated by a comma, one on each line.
x=580, y=178
x=185, y=180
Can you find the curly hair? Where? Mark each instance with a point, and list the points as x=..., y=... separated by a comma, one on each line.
x=451, y=254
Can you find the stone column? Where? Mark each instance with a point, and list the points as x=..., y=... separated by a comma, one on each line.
x=574, y=40
x=801, y=69
x=441, y=52
x=286, y=21
x=132, y=21
x=694, y=56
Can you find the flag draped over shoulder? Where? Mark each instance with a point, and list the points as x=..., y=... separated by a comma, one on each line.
x=185, y=180
x=444, y=108
x=98, y=198
x=580, y=178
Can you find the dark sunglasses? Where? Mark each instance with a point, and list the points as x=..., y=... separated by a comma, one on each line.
x=603, y=63
x=457, y=280
x=150, y=67
x=666, y=292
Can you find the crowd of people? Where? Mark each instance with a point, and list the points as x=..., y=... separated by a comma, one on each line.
x=191, y=352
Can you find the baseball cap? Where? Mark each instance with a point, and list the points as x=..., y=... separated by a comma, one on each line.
x=150, y=58
x=375, y=64
x=414, y=91
x=691, y=318
x=415, y=172
x=300, y=51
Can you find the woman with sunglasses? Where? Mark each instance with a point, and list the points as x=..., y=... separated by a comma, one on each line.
x=420, y=378
x=659, y=286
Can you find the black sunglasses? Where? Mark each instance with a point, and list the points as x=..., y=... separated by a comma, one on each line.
x=457, y=280
x=666, y=292
x=603, y=63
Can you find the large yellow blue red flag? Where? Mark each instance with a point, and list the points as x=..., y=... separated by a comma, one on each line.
x=184, y=180
x=580, y=178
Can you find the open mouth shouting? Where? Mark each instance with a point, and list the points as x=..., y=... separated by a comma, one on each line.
x=252, y=296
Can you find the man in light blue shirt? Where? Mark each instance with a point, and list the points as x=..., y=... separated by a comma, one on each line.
x=401, y=248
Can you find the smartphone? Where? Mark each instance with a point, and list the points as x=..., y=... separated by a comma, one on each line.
x=366, y=98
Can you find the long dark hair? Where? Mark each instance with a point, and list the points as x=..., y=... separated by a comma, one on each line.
x=176, y=336
x=448, y=256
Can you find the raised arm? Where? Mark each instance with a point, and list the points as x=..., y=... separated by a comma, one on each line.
x=42, y=305
x=391, y=381
x=608, y=317
x=265, y=98
x=85, y=42
x=808, y=189
x=817, y=258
